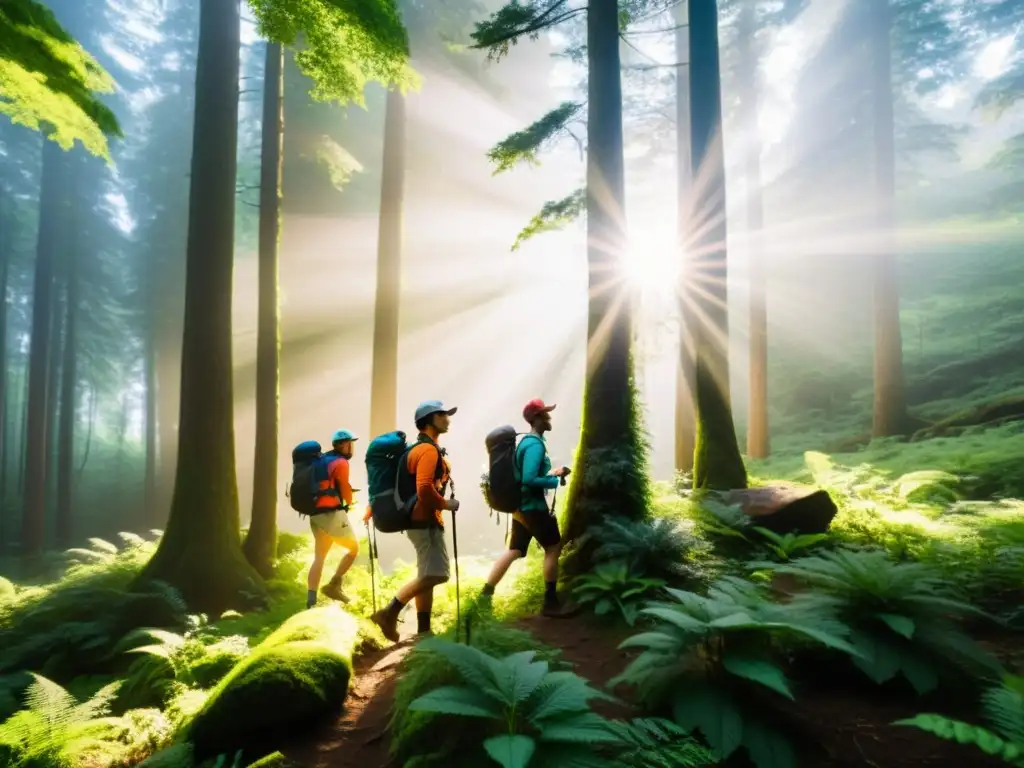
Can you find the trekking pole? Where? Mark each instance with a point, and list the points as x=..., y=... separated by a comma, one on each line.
x=373, y=580
x=455, y=551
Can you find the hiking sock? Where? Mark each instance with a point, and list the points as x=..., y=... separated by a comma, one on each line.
x=422, y=621
x=550, y=593
x=488, y=589
x=394, y=608
x=310, y=598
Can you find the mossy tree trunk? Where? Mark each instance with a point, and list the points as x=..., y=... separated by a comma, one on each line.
x=201, y=551
x=890, y=406
x=36, y=459
x=69, y=375
x=717, y=463
x=758, y=440
x=261, y=540
x=610, y=476
x=384, y=382
x=685, y=426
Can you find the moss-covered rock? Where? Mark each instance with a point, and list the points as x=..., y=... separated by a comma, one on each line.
x=274, y=760
x=297, y=676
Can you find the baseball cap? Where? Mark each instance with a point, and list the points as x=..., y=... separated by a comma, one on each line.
x=430, y=407
x=341, y=435
x=535, y=408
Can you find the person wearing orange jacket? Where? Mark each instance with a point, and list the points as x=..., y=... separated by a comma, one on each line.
x=332, y=526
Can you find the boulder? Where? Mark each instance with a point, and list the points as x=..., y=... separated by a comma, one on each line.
x=786, y=508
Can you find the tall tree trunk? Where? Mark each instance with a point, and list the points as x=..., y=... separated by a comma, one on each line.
x=758, y=440
x=612, y=432
x=90, y=426
x=167, y=366
x=685, y=425
x=6, y=221
x=384, y=384
x=261, y=540
x=717, y=463
x=68, y=406
x=23, y=384
x=890, y=411
x=200, y=552
x=33, y=527
x=149, y=497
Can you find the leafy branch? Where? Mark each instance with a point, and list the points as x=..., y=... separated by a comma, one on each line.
x=515, y=20
x=555, y=215
x=523, y=146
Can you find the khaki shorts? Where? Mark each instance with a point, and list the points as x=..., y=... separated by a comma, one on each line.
x=334, y=524
x=431, y=553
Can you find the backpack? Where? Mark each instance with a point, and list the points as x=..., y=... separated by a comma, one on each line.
x=503, y=484
x=310, y=467
x=392, y=488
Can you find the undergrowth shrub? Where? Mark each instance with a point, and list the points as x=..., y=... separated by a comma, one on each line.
x=902, y=616
x=660, y=548
x=710, y=661
x=611, y=589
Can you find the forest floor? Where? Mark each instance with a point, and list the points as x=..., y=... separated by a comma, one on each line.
x=850, y=724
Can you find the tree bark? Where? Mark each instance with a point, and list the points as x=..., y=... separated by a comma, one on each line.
x=149, y=497
x=200, y=552
x=384, y=384
x=890, y=406
x=612, y=433
x=33, y=528
x=758, y=439
x=685, y=425
x=261, y=539
x=717, y=463
x=68, y=401
x=5, y=364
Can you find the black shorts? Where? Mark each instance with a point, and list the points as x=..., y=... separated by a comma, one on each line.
x=540, y=525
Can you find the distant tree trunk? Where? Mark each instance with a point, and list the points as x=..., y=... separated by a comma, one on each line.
x=68, y=407
x=612, y=433
x=56, y=355
x=33, y=530
x=89, y=427
x=167, y=366
x=5, y=364
x=384, y=384
x=717, y=463
x=149, y=497
x=758, y=440
x=23, y=383
x=261, y=540
x=685, y=426
x=890, y=411
x=200, y=552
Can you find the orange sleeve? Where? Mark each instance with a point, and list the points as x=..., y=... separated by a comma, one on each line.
x=340, y=474
x=426, y=469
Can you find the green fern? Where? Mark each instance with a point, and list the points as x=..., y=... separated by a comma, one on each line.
x=1004, y=709
x=660, y=548
x=711, y=660
x=901, y=615
x=785, y=546
x=612, y=588
x=658, y=743
x=529, y=709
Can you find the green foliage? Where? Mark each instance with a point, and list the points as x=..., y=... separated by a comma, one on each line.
x=49, y=83
x=515, y=20
x=660, y=547
x=657, y=743
x=553, y=216
x=901, y=615
x=346, y=43
x=613, y=588
x=710, y=660
x=1003, y=707
x=524, y=146
x=784, y=546
x=298, y=674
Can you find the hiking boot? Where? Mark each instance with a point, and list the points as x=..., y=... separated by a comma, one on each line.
x=334, y=591
x=388, y=624
x=556, y=610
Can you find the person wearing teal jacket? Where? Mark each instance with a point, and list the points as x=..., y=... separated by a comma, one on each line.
x=535, y=519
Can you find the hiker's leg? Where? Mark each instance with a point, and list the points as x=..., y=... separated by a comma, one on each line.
x=518, y=545
x=544, y=527
x=351, y=546
x=432, y=571
x=321, y=546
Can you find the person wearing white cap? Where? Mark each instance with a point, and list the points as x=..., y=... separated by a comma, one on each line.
x=426, y=463
x=332, y=526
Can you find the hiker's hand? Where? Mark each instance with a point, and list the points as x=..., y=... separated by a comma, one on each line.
x=561, y=472
x=452, y=505
x=368, y=514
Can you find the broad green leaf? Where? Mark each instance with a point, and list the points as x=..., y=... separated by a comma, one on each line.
x=736, y=620
x=955, y=730
x=767, y=747
x=920, y=673
x=560, y=695
x=713, y=713
x=476, y=668
x=901, y=625
x=656, y=641
x=758, y=671
x=510, y=751
x=677, y=618
x=603, y=606
x=878, y=660
x=579, y=728
x=456, y=700
x=520, y=676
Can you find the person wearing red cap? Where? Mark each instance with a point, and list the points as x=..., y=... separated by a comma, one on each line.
x=535, y=520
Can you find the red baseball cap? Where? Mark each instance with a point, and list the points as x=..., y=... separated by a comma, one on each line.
x=535, y=408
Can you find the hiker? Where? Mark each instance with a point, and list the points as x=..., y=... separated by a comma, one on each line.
x=424, y=461
x=534, y=520
x=331, y=526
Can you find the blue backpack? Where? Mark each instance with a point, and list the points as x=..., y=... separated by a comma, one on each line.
x=310, y=468
x=392, y=489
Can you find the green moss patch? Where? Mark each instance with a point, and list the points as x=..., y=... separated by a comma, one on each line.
x=293, y=679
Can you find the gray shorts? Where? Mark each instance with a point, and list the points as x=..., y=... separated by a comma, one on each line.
x=431, y=553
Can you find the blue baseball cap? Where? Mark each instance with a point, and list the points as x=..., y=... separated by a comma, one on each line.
x=430, y=407
x=342, y=435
